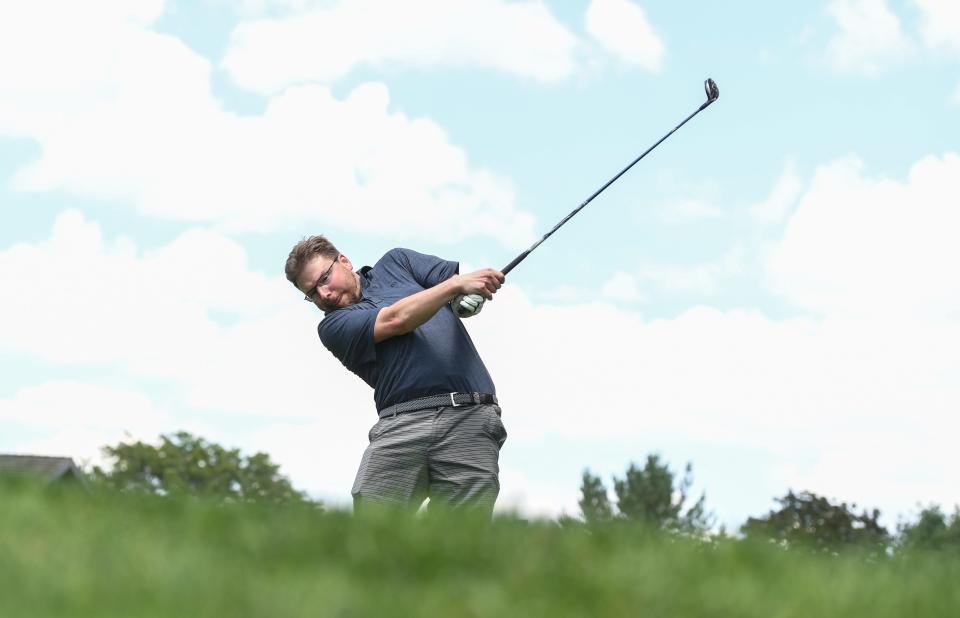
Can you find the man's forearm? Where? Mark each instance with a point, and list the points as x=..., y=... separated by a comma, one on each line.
x=408, y=313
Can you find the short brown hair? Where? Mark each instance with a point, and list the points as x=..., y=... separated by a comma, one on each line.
x=306, y=250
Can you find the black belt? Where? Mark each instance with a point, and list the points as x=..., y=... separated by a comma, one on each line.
x=438, y=401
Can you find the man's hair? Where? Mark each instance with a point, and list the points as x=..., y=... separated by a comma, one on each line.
x=306, y=250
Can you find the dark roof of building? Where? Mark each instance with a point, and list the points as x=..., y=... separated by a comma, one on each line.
x=47, y=468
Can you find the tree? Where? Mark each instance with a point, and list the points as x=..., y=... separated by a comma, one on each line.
x=186, y=464
x=594, y=503
x=933, y=530
x=649, y=495
x=813, y=521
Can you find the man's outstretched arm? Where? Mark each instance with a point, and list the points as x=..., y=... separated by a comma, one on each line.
x=408, y=313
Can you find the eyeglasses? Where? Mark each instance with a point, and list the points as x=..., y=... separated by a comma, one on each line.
x=322, y=281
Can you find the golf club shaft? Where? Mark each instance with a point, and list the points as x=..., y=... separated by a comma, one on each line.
x=712, y=94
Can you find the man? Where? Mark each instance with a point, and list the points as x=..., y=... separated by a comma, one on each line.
x=396, y=326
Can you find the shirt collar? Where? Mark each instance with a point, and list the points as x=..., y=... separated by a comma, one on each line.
x=366, y=275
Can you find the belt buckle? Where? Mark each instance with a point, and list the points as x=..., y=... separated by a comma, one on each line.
x=453, y=401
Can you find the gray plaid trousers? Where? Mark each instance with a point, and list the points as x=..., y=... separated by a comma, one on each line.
x=449, y=454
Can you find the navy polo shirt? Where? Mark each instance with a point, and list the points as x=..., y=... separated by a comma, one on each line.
x=438, y=357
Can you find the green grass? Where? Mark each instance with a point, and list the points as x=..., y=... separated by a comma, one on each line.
x=71, y=554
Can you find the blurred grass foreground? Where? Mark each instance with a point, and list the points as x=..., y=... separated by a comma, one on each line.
x=67, y=552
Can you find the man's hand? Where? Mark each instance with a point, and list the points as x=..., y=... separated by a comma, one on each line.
x=474, y=288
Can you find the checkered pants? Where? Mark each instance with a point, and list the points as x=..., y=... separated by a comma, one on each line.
x=448, y=454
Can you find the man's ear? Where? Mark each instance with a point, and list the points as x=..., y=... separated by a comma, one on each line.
x=346, y=262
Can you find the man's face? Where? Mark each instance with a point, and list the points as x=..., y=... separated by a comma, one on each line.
x=329, y=282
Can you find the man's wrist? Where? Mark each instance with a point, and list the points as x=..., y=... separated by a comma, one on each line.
x=455, y=288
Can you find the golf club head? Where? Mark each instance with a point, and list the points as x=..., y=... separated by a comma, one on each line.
x=711, y=89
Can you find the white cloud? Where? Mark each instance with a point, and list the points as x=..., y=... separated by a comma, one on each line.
x=143, y=128
x=687, y=210
x=622, y=28
x=940, y=24
x=261, y=8
x=85, y=301
x=782, y=197
x=702, y=278
x=874, y=246
x=565, y=293
x=803, y=389
x=94, y=406
x=325, y=44
x=622, y=287
x=77, y=418
x=635, y=286
x=870, y=36
x=76, y=281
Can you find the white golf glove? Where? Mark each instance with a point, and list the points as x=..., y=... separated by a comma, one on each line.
x=467, y=305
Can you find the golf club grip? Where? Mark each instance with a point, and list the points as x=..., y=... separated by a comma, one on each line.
x=516, y=260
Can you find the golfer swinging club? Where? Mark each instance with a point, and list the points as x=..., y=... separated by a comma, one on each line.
x=439, y=433
x=397, y=326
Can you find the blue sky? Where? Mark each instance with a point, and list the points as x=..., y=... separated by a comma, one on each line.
x=770, y=295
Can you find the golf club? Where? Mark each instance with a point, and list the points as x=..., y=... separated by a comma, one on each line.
x=713, y=93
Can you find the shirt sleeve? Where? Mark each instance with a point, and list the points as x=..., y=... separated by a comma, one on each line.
x=427, y=270
x=348, y=333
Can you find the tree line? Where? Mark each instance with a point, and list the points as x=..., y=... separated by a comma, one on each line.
x=654, y=496
x=184, y=464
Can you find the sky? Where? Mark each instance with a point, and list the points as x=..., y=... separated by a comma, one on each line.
x=768, y=295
